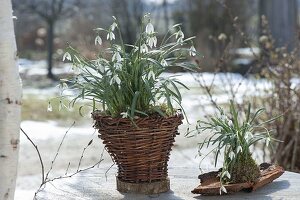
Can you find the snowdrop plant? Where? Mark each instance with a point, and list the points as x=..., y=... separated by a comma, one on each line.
x=125, y=79
x=234, y=133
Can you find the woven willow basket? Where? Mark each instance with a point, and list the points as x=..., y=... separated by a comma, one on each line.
x=140, y=151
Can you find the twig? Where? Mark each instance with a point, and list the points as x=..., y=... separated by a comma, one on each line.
x=52, y=162
x=38, y=152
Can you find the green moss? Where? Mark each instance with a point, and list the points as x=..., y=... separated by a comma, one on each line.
x=244, y=169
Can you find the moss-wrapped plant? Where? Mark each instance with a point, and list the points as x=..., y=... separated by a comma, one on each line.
x=234, y=133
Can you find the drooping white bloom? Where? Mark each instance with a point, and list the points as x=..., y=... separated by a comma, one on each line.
x=179, y=36
x=268, y=139
x=230, y=123
x=149, y=28
x=67, y=56
x=226, y=174
x=164, y=63
x=231, y=155
x=144, y=48
x=222, y=189
x=100, y=66
x=110, y=36
x=192, y=51
x=116, y=57
x=118, y=66
x=152, y=41
x=63, y=86
x=115, y=79
x=98, y=40
x=248, y=135
x=49, y=108
x=124, y=114
x=239, y=149
x=151, y=74
x=113, y=26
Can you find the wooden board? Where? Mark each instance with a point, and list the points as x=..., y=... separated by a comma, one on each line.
x=210, y=183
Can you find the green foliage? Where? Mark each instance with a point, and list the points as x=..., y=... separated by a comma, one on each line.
x=125, y=79
x=235, y=133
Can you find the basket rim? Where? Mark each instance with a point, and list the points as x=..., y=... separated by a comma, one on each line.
x=98, y=114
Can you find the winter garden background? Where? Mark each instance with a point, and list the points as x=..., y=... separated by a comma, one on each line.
x=250, y=53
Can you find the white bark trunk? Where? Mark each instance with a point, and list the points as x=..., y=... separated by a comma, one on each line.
x=10, y=103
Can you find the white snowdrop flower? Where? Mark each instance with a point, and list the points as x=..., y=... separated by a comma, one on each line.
x=113, y=26
x=152, y=41
x=98, y=40
x=226, y=173
x=248, y=135
x=124, y=114
x=149, y=28
x=192, y=51
x=222, y=189
x=49, y=108
x=144, y=48
x=179, y=34
x=151, y=75
x=110, y=36
x=118, y=66
x=116, y=57
x=230, y=123
x=268, y=139
x=218, y=128
x=67, y=56
x=101, y=68
x=164, y=63
x=231, y=155
x=239, y=149
x=115, y=79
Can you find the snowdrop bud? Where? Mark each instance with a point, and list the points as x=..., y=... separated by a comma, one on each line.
x=144, y=48
x=149, y=28
x=151, y=75
x=239, y=149
x=268, y=139
x=222, y=189
x=67, y=56
x=98, y=40
x=231, y=155
x=49, y=109
x=192, y=51
x=230, y=123
x=164, y=63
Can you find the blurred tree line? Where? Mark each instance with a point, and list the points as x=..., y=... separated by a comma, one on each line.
x=47, y=25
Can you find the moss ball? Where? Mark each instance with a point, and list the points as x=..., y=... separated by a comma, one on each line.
x=244, y=170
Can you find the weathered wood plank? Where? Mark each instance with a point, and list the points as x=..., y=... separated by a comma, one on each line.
x=93, y=185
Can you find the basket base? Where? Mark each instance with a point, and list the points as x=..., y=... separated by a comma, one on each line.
x=144, y=188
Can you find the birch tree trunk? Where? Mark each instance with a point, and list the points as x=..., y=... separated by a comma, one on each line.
x=10, y=103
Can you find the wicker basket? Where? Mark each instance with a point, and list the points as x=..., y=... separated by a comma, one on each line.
x=141, y=151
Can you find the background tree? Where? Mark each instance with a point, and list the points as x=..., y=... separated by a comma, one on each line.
x=10, y=103
x=50, y=11
x=282, y=17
